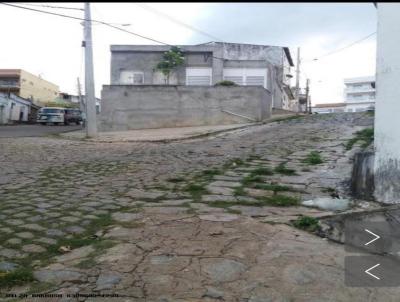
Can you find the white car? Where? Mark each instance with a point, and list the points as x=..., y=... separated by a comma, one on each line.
x=51, y=115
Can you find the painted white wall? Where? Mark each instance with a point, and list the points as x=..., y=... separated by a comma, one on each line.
x=387, y=121
x=359, y=107
x=327, y=109
x=359, y=90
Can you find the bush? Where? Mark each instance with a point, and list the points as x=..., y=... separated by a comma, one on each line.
x=226, y=83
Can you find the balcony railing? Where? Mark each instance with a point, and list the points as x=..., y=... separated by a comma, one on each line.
x=359, y=89
x=9, y=84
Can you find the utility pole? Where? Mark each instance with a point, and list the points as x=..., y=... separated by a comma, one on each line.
x=297, y=92
x=90, y=99
x=308, y=103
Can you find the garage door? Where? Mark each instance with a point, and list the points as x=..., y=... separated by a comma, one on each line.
x=247, y=76
x=198, y=76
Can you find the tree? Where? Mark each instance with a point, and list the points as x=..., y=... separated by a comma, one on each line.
x=171, y=60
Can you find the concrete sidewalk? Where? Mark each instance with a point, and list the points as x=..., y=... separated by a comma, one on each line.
x=168, y=134
x=155, y=135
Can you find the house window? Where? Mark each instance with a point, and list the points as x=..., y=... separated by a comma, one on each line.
x=198, y=76
x=129, y=77
x=246, y=76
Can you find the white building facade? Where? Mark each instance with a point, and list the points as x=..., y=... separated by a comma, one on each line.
x=13, y=109
x=359, y=94
x=328, y=108
x=387, y=122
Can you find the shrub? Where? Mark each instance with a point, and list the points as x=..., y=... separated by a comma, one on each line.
x=226, y=83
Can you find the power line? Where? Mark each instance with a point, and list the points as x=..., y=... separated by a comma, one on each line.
x=82, y=19
x=51, y=6
x=343, y=48
x=102, y=16
x=97, y=21
x=157, y=12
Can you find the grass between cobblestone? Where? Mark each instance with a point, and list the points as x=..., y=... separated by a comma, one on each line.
x=282, y=169
x=196, y=186
x=24, y=274
x=365, y=135
x=306, y=223
x=313, y=158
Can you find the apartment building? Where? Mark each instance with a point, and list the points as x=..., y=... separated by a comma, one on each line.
x=359, y=94
x=27, y=86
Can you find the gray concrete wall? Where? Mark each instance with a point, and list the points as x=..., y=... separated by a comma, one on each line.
x=128, y=107
x=147, y=62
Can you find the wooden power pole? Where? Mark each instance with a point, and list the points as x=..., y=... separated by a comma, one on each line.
x=90, y=99
x=297, y=92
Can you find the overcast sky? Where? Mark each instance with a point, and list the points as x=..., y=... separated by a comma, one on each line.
x=51, y=45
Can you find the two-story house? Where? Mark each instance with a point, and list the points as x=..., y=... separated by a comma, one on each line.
x=208, y=64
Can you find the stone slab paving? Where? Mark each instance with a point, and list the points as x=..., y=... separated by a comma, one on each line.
x=152, y=229
x=215, y=256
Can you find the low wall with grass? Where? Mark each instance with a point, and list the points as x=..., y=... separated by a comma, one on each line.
x=128, y=107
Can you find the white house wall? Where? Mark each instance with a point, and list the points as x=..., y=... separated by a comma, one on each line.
x=387, y=121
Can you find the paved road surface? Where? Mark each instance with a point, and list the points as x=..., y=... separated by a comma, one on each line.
x=200, y=220
x=34, y=130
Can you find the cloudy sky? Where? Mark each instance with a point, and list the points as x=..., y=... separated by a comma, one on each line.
x=51, y=45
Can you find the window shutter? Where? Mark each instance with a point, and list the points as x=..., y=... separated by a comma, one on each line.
x=255, y=81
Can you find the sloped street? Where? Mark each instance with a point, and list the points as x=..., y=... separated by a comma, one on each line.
x=208, y=219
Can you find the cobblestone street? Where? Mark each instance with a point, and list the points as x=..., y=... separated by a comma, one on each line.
x=208, y=219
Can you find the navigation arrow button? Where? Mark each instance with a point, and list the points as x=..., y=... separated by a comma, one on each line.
x=376, y=237
x=371, y=268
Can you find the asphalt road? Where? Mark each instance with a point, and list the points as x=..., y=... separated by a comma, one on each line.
x=34, y=130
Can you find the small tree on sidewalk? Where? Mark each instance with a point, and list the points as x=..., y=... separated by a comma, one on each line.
x=171, y=60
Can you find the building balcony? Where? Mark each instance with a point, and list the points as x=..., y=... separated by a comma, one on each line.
x=9, y=84
x=359, y=90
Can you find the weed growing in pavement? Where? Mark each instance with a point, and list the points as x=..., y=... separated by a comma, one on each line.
x=306, y=223
x=365, y=135
x=313, y=158
x=282, y=169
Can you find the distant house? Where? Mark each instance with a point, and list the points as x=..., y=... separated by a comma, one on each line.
x=207, y=64
x=359, y=94
x=328, y=108
x=16, y=109
x=64, y=97
x=27, y=86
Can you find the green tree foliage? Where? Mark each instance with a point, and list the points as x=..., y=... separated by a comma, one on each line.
x=171, y=60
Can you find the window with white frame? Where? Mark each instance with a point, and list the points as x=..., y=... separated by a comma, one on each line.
x=131, y=77
x=246, y=76
x=199, y=76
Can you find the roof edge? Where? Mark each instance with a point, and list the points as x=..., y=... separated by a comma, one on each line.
x=288, y=55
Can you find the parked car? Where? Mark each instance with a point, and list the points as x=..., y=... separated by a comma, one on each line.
x=59, y=116
x=72, y=116
x=51, y=115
